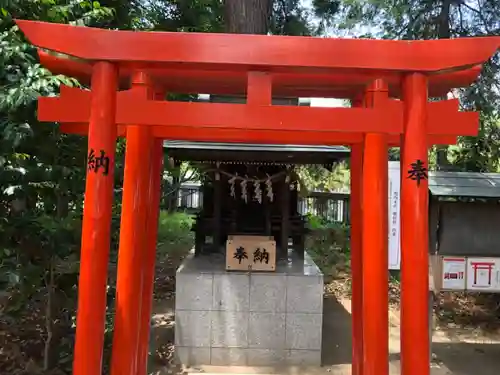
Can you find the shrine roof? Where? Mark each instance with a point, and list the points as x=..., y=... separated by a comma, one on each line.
x=300, y=66
x=464, y=184
x=251, y=147
x=244, y=152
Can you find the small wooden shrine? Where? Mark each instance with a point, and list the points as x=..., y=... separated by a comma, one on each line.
x=251, y=190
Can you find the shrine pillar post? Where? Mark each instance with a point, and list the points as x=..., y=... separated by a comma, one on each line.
x=356, y=255
x=375, y=278
x=415, y=356
x=148, y=275
x=133, y=242
x=96, y=225
x=285, y=216
x=217, y=209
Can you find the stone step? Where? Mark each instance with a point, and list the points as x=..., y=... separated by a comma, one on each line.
x=344, y=369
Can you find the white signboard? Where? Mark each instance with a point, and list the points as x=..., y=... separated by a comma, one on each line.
x=453, y=276
x=483, y=274
x=394, y=215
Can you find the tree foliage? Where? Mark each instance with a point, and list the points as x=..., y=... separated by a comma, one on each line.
x=41, y=191
x=441, y=19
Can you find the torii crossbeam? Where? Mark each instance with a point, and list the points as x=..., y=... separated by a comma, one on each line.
x=389, y=83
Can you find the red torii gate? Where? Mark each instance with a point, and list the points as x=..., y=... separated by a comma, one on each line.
x=371, y=73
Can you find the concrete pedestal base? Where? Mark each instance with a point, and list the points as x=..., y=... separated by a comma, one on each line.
x=248, y=319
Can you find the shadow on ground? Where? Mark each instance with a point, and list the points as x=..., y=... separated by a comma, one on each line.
x=337, y=339
x=162, y=337
x=468, y=358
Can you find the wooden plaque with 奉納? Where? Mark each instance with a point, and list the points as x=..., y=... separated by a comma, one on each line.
x=250, y=253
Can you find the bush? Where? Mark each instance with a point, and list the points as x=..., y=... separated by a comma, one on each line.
x=175, y=229
x=315, y=222
x=328, y=244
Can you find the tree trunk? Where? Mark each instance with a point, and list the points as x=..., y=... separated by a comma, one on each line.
x=48, y=351
x=247, y=16
x=444, y=20
x=443, y=31
x=174, y=195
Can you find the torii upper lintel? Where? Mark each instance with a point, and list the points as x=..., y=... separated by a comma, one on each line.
x=259, y=52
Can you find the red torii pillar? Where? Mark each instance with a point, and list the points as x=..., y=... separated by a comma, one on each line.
x=356, y=166
x=148, y=273
x=415, y=344
x=137, y=239
x=133, y=240
x=96, y=226
x=374, y=243
x=356, y=258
